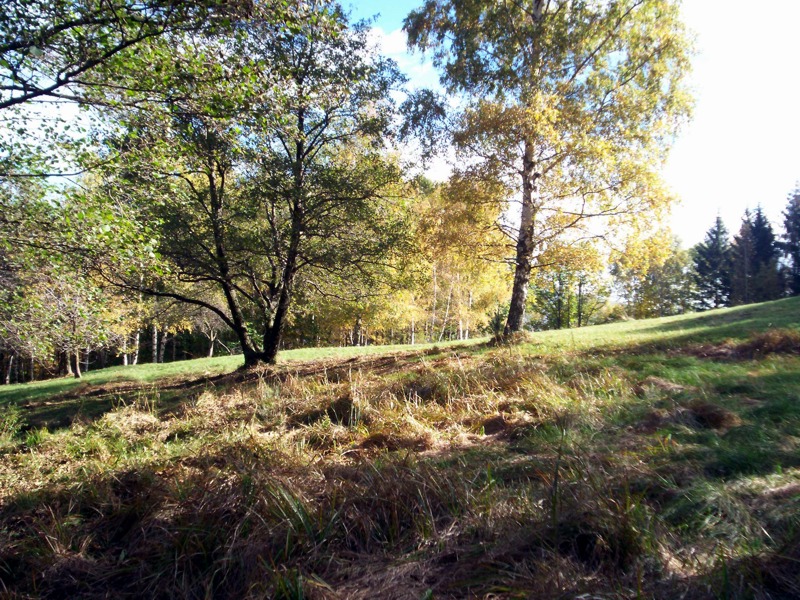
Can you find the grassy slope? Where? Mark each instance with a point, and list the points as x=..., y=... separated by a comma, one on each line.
x=641, y=459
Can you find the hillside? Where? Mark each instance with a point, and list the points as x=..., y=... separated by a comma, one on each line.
x=645, y=459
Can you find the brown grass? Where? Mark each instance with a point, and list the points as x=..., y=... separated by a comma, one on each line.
x=772, y=341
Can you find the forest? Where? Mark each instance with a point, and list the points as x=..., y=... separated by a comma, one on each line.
x=256, y=342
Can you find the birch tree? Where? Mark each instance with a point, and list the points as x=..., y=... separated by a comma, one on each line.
x=572, y=103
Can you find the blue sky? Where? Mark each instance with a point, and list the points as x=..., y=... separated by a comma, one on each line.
x=391, y=14
x=742, y=148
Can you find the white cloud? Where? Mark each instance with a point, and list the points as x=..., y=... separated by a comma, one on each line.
x=419, y=69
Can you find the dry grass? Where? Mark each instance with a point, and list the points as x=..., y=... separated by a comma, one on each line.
x=492, y=474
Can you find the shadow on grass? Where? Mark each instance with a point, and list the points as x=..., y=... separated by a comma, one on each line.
x=239, y=520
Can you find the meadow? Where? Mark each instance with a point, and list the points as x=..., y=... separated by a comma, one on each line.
x=641, y=459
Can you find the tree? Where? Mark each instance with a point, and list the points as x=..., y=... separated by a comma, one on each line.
x=791, y=243
x=268, y=177
x=755, y=275
x=744, y=263
x=48, y=48
x=768, y=285
x=567, y=286
x=570, y=103
x=654, y=277
x=712, y=268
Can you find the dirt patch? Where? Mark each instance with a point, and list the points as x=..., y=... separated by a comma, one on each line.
x=511, y=339
x=713, y=416
x=495, y=424
x=385, y=441
x=341, y=411
x=697, y=415
x=772, y=341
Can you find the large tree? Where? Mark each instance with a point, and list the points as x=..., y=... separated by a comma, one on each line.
x=766, y=273
x=712, y=268
x=570, y=102
x=744, y=263
x=268, y=177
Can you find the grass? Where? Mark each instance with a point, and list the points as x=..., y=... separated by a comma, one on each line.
x=55, y=402
x=652, y=459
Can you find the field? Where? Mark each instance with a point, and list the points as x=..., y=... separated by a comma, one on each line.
x=642, y=459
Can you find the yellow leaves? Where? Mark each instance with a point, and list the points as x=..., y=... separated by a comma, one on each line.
x=641, y=254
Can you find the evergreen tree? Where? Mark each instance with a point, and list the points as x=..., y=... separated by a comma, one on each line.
x=767, y=279
x=712, y=268
x=791, y=244
x=755, y=275
x=743, y=262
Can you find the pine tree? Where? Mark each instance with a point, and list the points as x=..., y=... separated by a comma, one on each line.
x=712, y=268
x=743, y=263
x=755, y=276
x=791, y=243
x=766, y=275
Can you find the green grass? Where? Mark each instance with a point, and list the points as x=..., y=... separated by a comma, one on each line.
x=713, y=326
x=650, y=459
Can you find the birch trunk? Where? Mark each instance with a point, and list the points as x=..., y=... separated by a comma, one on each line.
x=525, y=243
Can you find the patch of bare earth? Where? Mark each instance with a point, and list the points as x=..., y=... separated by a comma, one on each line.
x=772, y=341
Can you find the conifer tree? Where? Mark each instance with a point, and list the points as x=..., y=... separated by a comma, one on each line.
x=712, y=266
x=755, y=276
x=791, y=243
x=767, y=279
x=743, y=262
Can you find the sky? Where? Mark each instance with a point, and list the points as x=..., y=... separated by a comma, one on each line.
x=742, y=147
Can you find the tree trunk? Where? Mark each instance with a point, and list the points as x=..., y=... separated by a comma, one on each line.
x=446, y=312
x=212, y=340
x=469, y=313
x=8, y=370
x=274, y=333
x=154, y=344
x=63, y=366
x=357, y=331
x=525, y=243
x=433, y=309
x=75, y=360
x=136, y=342
x=557, y=293
x=162, y=346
